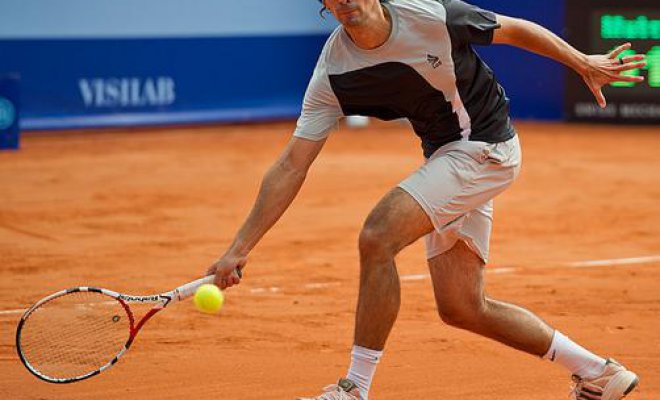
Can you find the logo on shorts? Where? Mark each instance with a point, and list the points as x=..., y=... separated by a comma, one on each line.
x=433, y=60
x=7, y=113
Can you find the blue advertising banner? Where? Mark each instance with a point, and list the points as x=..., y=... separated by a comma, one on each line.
x=9, y=112
x=119, y=82
x=121, y=62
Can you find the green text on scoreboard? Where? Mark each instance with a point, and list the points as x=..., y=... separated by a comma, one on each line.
x=598, y=27
x=638, y=30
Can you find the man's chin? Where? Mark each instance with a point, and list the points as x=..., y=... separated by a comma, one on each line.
x=351, y=21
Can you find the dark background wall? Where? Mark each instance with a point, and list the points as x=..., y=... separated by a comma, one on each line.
x=534, y=84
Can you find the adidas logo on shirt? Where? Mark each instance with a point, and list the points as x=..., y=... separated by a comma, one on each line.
x=433, y=60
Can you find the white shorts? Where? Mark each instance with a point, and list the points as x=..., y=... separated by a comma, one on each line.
x=456, y=187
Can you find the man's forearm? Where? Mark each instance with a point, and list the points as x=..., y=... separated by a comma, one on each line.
x=537, y=39
x=279, y=187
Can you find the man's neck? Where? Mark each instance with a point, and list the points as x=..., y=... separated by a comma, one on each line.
x=374, y=32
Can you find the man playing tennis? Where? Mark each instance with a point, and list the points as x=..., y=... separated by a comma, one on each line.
x=414, y=59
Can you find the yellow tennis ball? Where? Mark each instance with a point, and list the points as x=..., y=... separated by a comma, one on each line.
x=208, y=298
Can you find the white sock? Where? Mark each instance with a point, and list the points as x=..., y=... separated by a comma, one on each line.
x=578, y=360
x=363, y=367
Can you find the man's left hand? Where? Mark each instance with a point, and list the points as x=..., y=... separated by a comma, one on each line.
x=604, y=69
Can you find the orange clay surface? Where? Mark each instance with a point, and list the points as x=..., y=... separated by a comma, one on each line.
x=143, y=211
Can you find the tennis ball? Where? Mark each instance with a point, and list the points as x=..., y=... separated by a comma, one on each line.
x=208, y=298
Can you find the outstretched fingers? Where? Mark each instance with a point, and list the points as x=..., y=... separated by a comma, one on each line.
x=626, y=66
x=633, y=58
x=617, y=72
x=598, y=94
x=616, y=52
x=629, y=78
x=611, y=68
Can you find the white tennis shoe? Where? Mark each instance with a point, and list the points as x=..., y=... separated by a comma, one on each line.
x=613, y=384
x=345, y=389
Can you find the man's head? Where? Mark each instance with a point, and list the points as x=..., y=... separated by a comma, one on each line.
x=351, y=13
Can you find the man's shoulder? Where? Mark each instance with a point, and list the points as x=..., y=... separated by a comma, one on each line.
x=331, y=46
x=430, y=10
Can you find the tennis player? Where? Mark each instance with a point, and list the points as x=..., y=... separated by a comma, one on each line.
x=414, y=59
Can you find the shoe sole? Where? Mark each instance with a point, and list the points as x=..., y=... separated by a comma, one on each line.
x=620, y=386
x=632, y=387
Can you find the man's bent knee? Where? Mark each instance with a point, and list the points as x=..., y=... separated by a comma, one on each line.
x=463, y=316
x=375, y=242
x=394, y=223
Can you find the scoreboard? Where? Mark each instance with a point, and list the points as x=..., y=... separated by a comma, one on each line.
x=598, y=26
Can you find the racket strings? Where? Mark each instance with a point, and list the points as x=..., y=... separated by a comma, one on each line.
x=74, y=335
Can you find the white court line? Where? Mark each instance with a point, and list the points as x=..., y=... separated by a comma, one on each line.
x=615, y=261
x=421, y=277
x=272, y=289
x=503, y=270
x=10, y=312
x=321, y=285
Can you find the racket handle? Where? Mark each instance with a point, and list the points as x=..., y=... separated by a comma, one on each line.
x=187, y=290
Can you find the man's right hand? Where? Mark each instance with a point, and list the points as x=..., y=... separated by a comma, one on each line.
x=227, y=270
x=278, y=189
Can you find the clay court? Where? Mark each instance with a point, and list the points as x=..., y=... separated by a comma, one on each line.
x=143, y=211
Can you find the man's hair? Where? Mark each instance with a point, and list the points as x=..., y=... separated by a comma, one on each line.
x=325, y=9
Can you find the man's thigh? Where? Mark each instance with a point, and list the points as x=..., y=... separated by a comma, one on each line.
x=455, y=187
x=458, y=278
x=396, y=221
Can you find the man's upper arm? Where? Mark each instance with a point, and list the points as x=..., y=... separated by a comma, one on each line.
x=300, y=153
x=509, y=31
x=321, y=109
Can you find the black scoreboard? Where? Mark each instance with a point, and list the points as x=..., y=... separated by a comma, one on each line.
x=598, y=26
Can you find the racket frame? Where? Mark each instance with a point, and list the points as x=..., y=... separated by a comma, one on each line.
x=160, y=301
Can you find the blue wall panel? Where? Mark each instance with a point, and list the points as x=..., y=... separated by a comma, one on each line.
x=253, y=77
x=534, y=84
x=123, y=62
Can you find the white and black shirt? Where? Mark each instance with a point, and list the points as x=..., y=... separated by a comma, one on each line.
x=427, y=72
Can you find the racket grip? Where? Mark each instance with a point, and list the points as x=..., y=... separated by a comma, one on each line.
x=187, y=290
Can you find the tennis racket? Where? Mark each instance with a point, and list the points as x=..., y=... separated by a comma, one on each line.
x=80, y=332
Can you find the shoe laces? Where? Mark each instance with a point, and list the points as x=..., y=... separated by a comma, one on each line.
x=579, y=392
x=576, y=387
x=335, y=392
